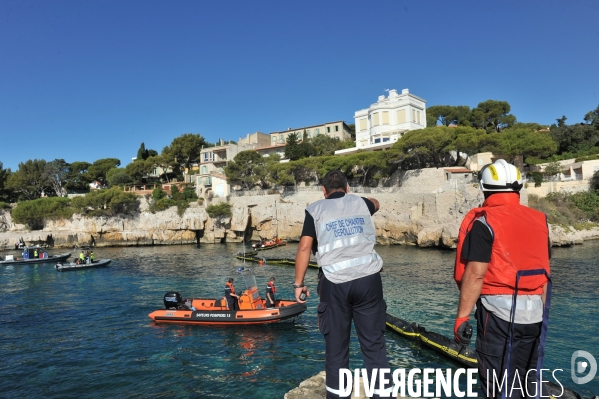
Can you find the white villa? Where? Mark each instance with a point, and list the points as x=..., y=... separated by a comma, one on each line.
x=385, y=121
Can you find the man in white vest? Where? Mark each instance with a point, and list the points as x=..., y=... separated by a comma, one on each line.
x=339, y=230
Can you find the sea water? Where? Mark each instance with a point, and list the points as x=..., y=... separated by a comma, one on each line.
x=86, y=333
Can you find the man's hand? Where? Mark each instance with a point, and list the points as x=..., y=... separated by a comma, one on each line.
x=462, y=331
x=299, y=291
x=377, y=206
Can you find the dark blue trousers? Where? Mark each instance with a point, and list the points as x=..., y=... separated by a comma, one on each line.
x=492, y=341
x=360, y=300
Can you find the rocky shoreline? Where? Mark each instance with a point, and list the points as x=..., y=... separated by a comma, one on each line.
x=420, y=208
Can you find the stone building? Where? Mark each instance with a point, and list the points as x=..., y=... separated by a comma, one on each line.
x=338, y=129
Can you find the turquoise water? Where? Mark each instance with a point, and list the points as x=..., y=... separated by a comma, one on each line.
x=86, y=333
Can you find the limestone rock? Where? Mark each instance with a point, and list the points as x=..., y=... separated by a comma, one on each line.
x=420, y=209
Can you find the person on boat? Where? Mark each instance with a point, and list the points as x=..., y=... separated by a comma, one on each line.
x=35, y=253
x=270, y=293
x=231, y=296
x=340, y=231
x=91, y=256
x=495, y=242
x=81, y=257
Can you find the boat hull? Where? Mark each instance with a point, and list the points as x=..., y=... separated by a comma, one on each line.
x=73, y=266
x=211, y=315
x=52, y=258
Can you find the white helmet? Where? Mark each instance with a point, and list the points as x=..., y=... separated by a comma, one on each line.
x=500, y=176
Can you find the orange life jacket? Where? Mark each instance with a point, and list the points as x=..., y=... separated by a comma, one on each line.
x=520, y=242
x=272, y=287
x=230, y=285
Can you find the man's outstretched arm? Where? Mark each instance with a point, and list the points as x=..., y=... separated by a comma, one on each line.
x=302, y=260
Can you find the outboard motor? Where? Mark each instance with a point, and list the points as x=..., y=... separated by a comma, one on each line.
x=172, y=300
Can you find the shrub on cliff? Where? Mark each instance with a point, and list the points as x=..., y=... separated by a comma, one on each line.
x=580, y=210
x=35, y=212
x=222, y=209
x=107, y=203
x=158, y=194
x=595, y=181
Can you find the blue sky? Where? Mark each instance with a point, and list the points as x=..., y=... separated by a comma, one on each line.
x=84, y=80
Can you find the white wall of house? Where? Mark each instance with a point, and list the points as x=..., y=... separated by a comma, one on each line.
x=572, y=170
x=389, y=118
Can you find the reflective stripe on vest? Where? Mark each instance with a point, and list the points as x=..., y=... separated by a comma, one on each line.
x=335, y=267
x=346, y=236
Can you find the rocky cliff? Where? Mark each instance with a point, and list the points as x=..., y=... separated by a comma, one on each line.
x=422, y=209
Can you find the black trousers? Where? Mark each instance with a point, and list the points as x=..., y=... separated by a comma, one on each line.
x=360, y=300
x=492, y=342
x=232, y=302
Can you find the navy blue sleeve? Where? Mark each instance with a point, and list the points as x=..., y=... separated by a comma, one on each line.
x=309, y=228
x=370, y=205
x=478, y=244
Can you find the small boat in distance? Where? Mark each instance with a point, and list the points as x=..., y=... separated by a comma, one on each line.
x=34, y=254
x=215, y=312
x=62, y=267
x=268, y=244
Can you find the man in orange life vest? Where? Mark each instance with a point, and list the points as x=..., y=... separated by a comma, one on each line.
x=494, y=243
x=231, y=296
x=270, y=293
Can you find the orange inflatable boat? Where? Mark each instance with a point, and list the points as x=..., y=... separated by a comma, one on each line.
x=205, y=311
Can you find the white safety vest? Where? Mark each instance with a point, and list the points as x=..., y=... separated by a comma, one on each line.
x=346, y=237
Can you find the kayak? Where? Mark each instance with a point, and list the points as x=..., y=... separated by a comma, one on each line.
x=62, y=267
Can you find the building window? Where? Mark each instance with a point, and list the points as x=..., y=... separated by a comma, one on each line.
x=377, y=141
x=281, y=139
x=204, y=169
x=375, y=119
x=328, y=129
x=317, y=132
x=362, y=124
x=401, y=116
x=385, y=139
x=274, y=139
x=416, y=116
x=336, y=128
x=308, y=134
x=385, y=117
x=308, y=131
x=208, y=157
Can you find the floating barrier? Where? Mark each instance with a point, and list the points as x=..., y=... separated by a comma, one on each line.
x=253, y=257
x=463, y=354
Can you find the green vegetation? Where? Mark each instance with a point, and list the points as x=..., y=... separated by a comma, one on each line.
x=35, y=212
x=579, y=210
x=110, y=202
x=222, y=209
x=181, y=199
